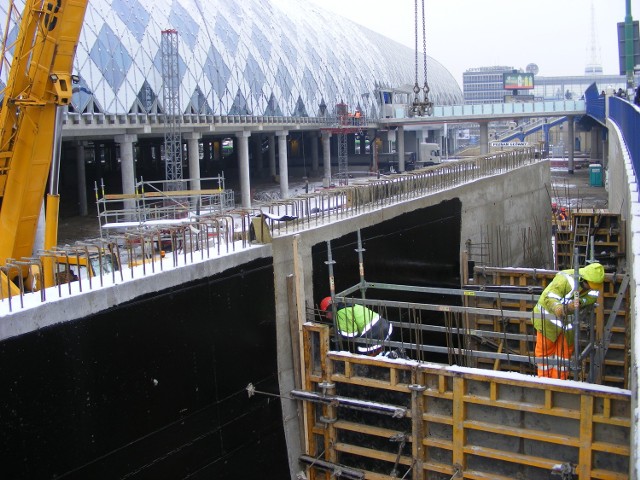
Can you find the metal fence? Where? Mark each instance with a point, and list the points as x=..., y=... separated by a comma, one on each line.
x=138, y=249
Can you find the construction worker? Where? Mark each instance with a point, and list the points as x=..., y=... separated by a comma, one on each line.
x=563, y=214
x=555, y=335
x=357, y=321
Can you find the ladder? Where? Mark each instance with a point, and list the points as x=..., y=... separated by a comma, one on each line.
x=581, y=238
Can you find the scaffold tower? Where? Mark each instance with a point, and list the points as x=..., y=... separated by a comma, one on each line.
x=345, y=123
x=171, y=100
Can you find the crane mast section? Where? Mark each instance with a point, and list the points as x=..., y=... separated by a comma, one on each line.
x=39, y=81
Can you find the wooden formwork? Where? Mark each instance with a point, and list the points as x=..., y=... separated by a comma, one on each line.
x=377, y=418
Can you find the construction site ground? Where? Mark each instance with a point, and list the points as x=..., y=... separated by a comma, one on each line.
x=572, y=190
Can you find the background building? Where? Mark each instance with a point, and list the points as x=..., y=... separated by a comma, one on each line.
x=255, y=57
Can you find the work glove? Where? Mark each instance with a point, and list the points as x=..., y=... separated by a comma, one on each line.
x=558, y=310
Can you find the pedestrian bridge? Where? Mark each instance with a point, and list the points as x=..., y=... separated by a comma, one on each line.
x=492, y=112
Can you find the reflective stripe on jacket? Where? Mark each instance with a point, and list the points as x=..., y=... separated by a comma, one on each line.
x=559, y=292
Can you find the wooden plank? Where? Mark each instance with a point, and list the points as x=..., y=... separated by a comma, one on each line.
x=527, y=433
x=525, y=407
x=458, y=414
x=512, y=457
x=367, y=429
x=606, y=475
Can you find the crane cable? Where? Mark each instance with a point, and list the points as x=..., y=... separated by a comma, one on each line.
x=424, y=52
x=424, y=106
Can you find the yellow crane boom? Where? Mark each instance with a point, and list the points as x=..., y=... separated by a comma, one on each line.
x=39, y=82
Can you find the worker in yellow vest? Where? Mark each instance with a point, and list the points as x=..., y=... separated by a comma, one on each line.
x=552, y=317
x=357, y=321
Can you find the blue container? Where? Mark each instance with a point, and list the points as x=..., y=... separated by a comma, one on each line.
x=595, y=175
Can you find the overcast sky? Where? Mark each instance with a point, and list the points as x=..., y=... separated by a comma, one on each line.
x=554, y=34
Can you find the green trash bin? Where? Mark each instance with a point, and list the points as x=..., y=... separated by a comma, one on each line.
x=595, y=175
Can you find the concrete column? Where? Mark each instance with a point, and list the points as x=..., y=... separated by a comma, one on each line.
x=484, y=138
x=282, y=163
x=272, y=156
x=594, y=140
x=127, y=167
x=570, y=142
x=400, y=149
x=371, y=135
x=315, y=158
x=243, y=166
x=82, y=180
x=193, y=150
x=326, y=158
x=387, y=137
x=257, y=153
x=351, y=144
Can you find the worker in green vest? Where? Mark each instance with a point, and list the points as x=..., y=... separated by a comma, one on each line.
x=356, y=322
x=552, y=317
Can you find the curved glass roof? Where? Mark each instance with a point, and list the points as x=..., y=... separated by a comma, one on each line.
x=256, y=57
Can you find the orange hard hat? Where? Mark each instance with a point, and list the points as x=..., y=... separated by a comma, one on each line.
x=562, y=209
x=325, y=304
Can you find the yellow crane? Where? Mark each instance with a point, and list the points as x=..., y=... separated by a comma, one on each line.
x=39, y=83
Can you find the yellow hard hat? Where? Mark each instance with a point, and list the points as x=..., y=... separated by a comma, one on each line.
x=593, y=274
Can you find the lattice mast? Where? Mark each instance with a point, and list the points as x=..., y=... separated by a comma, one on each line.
x=594, y=65
x=343, y=154
x=171, y=100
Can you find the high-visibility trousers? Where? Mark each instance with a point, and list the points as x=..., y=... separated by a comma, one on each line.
x=548, y=355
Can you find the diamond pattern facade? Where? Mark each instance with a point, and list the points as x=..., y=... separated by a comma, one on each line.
x=257, y=57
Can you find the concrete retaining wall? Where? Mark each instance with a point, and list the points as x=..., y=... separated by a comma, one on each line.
x=623, y=199
x=514, y=202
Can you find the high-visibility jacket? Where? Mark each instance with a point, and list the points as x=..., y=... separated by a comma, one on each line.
x=559, y=292
x=355, y=320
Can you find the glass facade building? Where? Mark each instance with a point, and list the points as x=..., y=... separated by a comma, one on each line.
x=255, y=57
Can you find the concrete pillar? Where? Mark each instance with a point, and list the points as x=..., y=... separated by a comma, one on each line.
x=127, y=166
x=595, y=144
x=326, y=158
x=570, y=142
x=272, y=156
x=256, y=145
x=315, y=158
x=351, y=144
x=400, y=149
x=282, y=163
x=484, y=138
x=371, y=135
x=387, y=138
x=82, y=180
x=243, y=167
x=193, y=151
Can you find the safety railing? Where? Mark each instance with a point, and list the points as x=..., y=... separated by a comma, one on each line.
x=197, y=236
x=72, y=120
x=299, y=212
x=627, y=117
x=560, y=106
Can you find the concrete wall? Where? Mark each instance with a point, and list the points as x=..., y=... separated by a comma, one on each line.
x=514, y=201
x=622, y=186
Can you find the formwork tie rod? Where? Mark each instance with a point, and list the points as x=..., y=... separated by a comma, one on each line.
x=353, y=403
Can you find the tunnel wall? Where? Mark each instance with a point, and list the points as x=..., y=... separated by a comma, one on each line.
x=514, y=202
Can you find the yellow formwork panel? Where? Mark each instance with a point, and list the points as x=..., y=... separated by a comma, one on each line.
x=458, y=421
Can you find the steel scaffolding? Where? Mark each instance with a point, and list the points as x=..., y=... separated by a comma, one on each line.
x=171, y=99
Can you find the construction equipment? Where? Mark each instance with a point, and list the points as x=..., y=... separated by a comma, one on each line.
x=421, y=107
x=39, y=86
